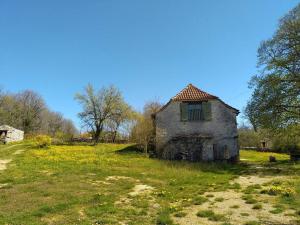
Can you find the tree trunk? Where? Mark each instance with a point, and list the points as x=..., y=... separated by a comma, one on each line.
x=97, y=135
x=114, y=136
x=146, y=148
x=115, y=133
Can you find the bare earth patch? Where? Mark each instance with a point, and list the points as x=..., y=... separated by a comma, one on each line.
x=140, y=192
x=115, y=178
x=11, y=146
x=81, y=214
x=140, y=189
x=246, y=181
x=3, y=164
x=3, y=185
x=235, y=209
x=18, y=152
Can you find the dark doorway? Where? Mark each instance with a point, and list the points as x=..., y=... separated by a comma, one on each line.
x=215, y=151
x=3, y=134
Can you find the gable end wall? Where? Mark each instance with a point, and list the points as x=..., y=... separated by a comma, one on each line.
x=222, y=130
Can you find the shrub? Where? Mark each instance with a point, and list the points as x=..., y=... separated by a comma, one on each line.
x=42, y=141
x=61, y=138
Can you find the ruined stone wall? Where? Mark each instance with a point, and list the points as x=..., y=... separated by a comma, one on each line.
x=222, y=131
x=12, y=134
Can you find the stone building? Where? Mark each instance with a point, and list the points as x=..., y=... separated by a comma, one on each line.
x=196, y=126
x=10, y=134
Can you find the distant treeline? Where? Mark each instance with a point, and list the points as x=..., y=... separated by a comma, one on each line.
x=27, y=111
x=105, y=117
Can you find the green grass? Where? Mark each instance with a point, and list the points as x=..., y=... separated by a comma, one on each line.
x=277, y=211
x=210, y=215
x=252, y=223
x=257, y=206
x=254, y=156
x=219, y=199
x=68, y=184
x=249, y=199
x=199, y=200
x=180, y=214
x=209, y=195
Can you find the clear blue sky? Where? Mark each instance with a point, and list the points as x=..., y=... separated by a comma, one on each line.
x=148, y=49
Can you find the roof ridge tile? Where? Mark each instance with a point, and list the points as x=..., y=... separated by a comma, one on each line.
x=192, y=93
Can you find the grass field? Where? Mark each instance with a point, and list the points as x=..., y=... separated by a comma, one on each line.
x=115, y=184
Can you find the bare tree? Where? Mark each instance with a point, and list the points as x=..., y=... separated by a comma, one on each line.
x=31, y=107
x=27, y=111
x=52, y=122
x=99, y=107
x=10, y=110
x=144, y=130
x=123, y=114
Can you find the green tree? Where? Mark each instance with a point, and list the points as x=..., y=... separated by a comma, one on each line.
x=275, y=101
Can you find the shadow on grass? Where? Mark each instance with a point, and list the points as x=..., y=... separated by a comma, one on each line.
x=214, y=167
x=280, y=168
x=132, y=149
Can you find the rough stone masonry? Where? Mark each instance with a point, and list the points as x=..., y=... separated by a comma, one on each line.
x=10, y=134
x=196, y=126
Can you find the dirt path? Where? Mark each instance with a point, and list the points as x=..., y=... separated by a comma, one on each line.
x=3, y=163
x=11, y=146
x=231, y=205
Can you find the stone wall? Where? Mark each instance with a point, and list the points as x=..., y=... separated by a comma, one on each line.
x=191, y=148
x=219, y=135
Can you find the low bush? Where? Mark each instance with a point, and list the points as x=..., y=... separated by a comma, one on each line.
x=61, y=138
x=42, y=141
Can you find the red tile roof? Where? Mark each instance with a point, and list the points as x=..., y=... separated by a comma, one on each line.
x=191, y=93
